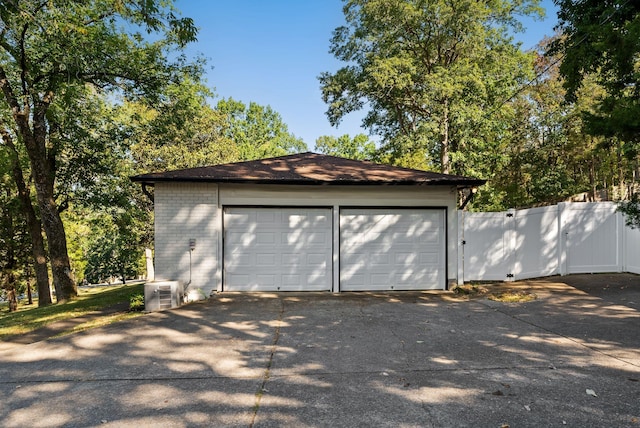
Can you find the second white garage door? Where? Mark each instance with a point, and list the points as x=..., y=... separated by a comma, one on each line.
x=392, y=249
x=277, y=249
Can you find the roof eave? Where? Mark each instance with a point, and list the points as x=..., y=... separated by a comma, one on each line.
x=458, y=183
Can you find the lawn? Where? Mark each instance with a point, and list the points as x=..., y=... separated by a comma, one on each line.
x=30, y=317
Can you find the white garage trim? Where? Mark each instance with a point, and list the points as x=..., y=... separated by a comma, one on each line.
x=393, y=248
x=277, y=248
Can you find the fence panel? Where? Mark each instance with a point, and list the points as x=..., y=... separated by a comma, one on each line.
x=591, y=237
x=536, y=242
x=562, y=239
x=487, y=249
x=632, y=250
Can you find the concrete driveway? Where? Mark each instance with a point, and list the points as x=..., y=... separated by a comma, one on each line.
x=568, y=358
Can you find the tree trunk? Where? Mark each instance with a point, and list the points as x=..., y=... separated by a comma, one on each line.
x=34, y=226
x=56, y=237
x=621, y=178
x=11, y=294
x=592, y=178
x=10, y=263
x=444, y=145
x=29, y=113
x=29, y=294
x=43, y=170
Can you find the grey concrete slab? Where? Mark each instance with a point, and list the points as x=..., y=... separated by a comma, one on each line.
x=425, y=335
x=361, y=359
x=455, y=398
x=129, y=402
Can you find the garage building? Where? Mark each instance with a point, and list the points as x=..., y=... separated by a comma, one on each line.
x=305, y=222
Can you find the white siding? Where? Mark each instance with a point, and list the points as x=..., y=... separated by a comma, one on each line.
x=185, y=211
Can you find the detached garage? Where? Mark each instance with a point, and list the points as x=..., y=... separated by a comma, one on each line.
x=305, y=222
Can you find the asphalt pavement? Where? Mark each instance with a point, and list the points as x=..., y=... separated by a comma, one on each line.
x=571, y=357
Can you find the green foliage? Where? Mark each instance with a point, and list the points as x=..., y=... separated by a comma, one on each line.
x=549, y=154
x=257, y=131
x=358, y=147
x=114, y=248
x=54, y=57
x=180, y=131
x=14, y=240
x=136, y=302
x=631, y=211
x=602, y=38
x=429, y=72
x=70, y=42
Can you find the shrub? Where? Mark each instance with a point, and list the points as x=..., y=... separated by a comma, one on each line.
x=136, y=302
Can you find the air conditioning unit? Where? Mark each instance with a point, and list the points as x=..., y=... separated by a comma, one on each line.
x=163, y=295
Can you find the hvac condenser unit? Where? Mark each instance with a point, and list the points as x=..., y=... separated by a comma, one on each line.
x=163, y=295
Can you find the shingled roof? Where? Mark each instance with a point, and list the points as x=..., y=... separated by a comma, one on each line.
x=308, y=168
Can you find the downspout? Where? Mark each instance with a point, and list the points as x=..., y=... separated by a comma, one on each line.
x=146, y=191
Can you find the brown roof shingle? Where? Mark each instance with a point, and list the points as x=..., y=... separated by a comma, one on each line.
x=308, y=168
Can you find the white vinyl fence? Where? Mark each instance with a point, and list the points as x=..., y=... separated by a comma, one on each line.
x=561, y=239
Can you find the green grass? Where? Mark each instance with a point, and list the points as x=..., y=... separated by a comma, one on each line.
x=30, y=317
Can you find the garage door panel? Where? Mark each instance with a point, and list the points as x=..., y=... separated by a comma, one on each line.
x=266, y=259
x=392, y=249
x=271, y=249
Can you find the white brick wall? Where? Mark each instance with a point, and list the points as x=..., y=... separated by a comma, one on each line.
x=185, y=211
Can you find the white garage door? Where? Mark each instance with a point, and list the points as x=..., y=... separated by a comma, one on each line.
x=277, y=249
x=392, y=249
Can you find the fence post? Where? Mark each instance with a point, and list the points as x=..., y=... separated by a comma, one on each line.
x=510, y=247
x=460, y=245
x=622, y=241
x=562, y=240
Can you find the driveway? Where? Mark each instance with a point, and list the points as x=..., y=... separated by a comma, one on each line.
x=568, y=358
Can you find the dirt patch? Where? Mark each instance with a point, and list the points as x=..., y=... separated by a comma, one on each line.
x=502, y=292
x=513, y=296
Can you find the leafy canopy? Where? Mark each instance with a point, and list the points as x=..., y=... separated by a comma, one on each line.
x=257, y=131
x=427, y=71
x=358, y=147
x=602, y=38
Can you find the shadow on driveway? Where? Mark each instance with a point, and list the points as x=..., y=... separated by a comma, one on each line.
x=354, y=359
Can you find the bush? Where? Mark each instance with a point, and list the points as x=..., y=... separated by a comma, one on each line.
x=631, y=211
x=136, y=302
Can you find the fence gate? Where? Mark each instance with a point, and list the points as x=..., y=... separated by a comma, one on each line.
x=486, y=245
x=591, y=234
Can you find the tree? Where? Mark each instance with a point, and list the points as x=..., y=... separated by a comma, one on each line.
x=49, y=52
x=14, y=239
x=432, y=73
x=601, y=39
x=14, y=163
x=115, y=251
x=358, y=147
x=258, y=131
x=181, y=131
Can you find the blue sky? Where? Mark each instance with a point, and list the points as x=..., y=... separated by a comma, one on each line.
x=272, y=51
